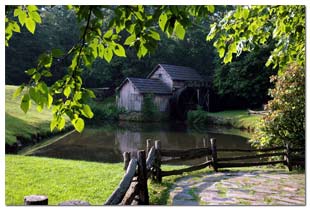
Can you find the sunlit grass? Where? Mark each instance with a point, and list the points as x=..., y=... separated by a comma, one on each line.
x=238, y=118
x=63, y=180
x=60, y=180
x=17, y=123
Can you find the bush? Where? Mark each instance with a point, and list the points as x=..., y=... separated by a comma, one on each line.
x=198, y=116
x=105, y=111
x=285, y=122
x=149, y=109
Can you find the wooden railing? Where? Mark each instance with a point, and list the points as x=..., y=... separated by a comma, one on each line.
x=133, y=189
x=285, y=155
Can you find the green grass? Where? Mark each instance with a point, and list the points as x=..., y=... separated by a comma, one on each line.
x=60, y=180
x=17, y=123
x=236, y=118
x=63, y=180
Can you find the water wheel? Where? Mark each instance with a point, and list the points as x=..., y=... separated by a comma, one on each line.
x=182, y=101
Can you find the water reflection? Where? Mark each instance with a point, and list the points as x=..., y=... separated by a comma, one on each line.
x=108, y=142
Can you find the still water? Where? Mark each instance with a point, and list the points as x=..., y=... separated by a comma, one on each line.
x=108, y=142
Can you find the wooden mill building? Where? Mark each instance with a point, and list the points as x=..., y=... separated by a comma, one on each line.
x=175, y=89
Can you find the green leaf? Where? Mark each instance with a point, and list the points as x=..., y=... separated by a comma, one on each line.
x=45, y=60
x=18, y=91
x=36, y=77
x=40, y=107
x=25, y=103
x=17, y=11
x=49, y=101
x=87, y=112
x=15, y=27
x=90, y=93
x=154, y=35
x=142, y=51
x=119, y=50
x=46, y=73
x=57, y=53
x=228, y=57
x=162, y=21
x=30, y=25
x=210, y=8
x=35, y=16
x=53, y=123
x=212, y=32
x=130, y=40
x=108, y=34
x=179, y=30
x=67, y=91
x=74, y=61
x=34, y=95
x=78, y=124
x=22, y=16
x=108, y=54
x=30, y=71
x=221, y=52
x=32, y=8
x=100, y=50
x=61, y=123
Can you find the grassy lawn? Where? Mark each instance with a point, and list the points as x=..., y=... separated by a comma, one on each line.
x=60, y=180
x=236, y=118
x=17, y=123
x=63, y=180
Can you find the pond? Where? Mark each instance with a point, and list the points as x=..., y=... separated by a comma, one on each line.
x=107, y=143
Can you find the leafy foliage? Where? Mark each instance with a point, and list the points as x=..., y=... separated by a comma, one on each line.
x=285, y=122
x=246, y=78
x=198, y=116
x=107, y=111
x=247, y=27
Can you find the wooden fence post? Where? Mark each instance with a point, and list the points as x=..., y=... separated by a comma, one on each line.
x=214, y=154
x=158, y=161
x=126, y=156
x=148, y=145
x=142, y=179
x=288, y=157
x=35, y=200
x=205, y=145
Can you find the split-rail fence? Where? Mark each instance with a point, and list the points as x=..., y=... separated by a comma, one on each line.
x=133, y=189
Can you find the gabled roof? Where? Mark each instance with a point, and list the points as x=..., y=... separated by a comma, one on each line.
x=179, y=72
x=148, y=85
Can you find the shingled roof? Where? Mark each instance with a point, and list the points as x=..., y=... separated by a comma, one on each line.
x=148, y=85
x=179, y=72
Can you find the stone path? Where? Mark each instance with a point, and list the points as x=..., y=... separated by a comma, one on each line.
x=240, y=188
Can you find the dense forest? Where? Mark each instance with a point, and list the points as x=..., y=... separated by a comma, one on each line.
x=243, y=83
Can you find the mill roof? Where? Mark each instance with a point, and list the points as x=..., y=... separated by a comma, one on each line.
x=148, y=85
x=179, y=72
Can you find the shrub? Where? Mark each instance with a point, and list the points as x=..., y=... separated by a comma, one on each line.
x=149, y=109
x=106, y=111
x=285, y=122
x=198, y=116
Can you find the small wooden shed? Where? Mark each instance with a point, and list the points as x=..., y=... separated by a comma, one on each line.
x=132, y=91
x=175, y=89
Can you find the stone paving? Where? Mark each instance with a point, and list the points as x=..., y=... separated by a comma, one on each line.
x=240, y=188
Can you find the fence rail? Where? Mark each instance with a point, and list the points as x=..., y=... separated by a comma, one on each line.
x=133, y=189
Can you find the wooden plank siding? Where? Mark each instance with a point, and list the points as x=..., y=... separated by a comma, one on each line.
x=130, y=98
x=162, y=102
x=162, y=75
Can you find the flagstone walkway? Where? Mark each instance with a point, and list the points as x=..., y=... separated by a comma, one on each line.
x=240, y=188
